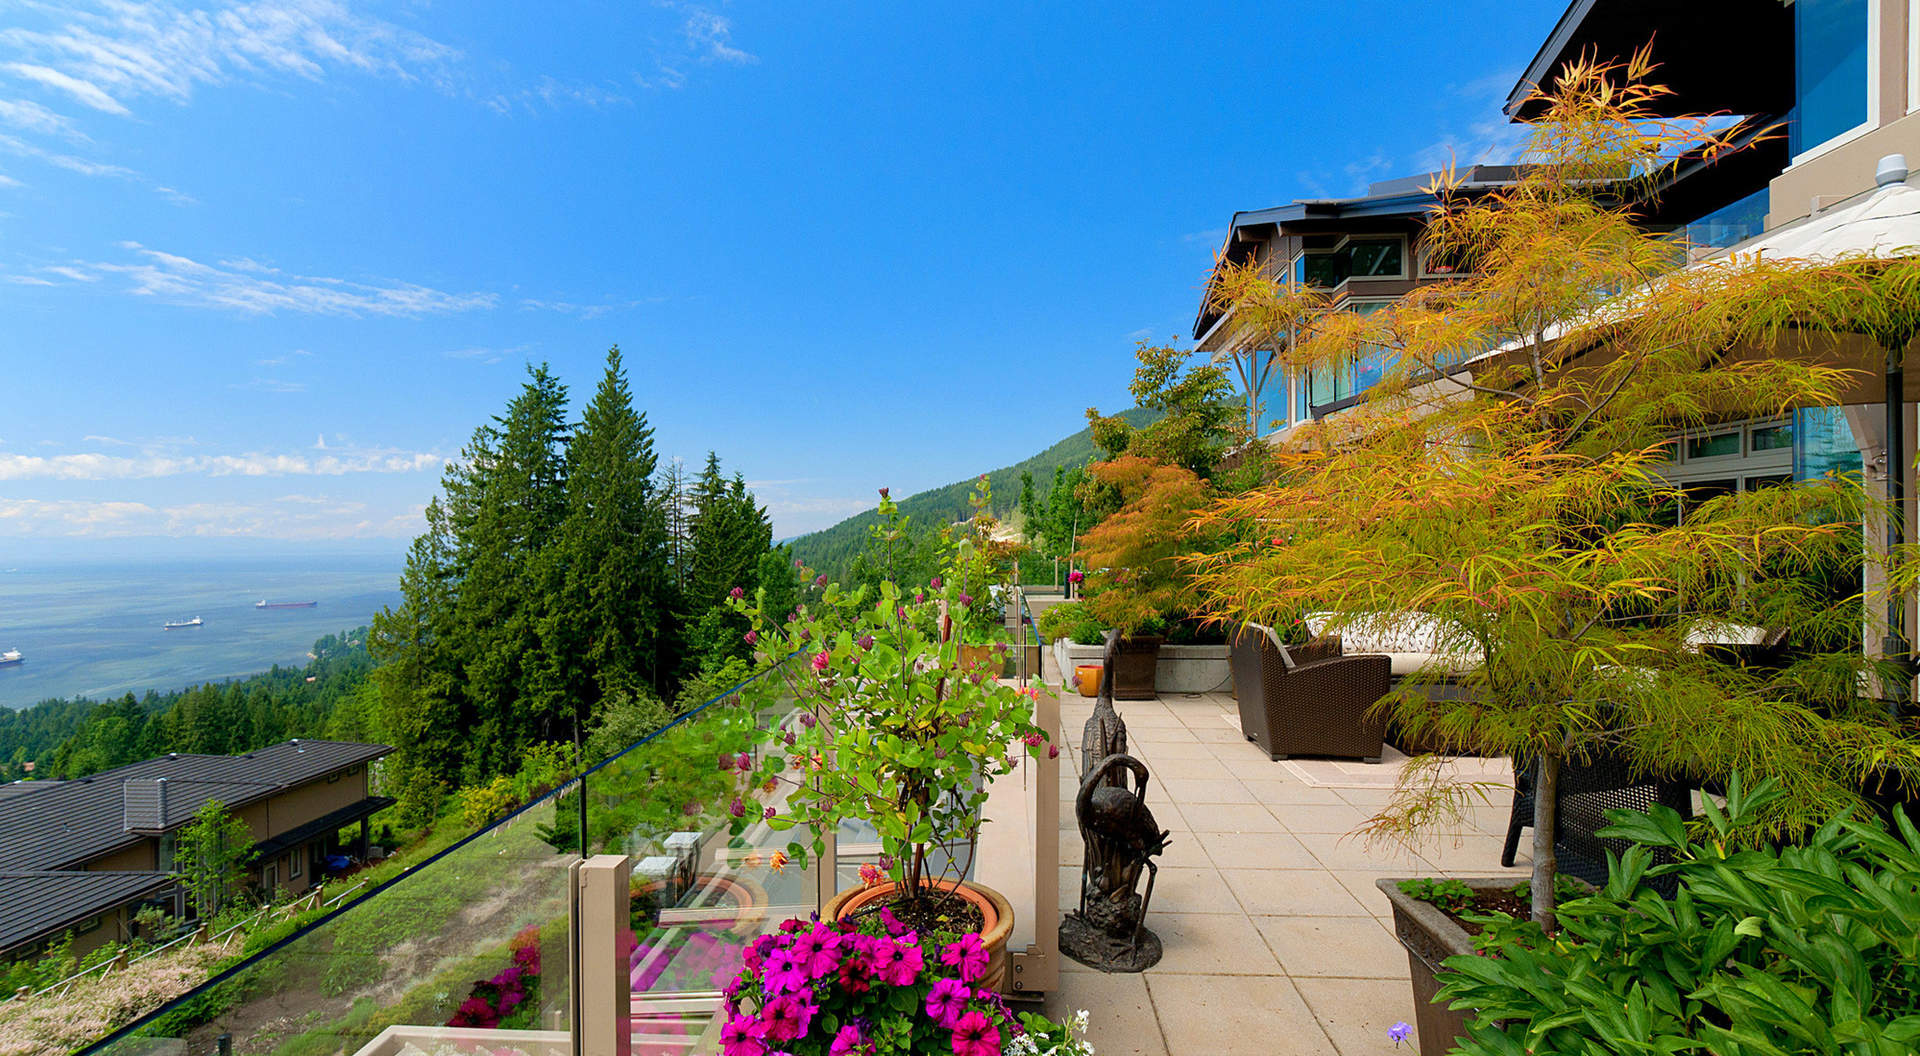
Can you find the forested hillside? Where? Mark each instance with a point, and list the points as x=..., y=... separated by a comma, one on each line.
x=832, y=550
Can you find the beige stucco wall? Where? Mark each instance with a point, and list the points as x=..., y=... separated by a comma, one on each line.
x=138, y=858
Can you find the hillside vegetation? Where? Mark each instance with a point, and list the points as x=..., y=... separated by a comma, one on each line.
x=831, y=550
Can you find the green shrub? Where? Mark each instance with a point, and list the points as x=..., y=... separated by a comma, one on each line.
x=1072, y=621
x=1762, y=949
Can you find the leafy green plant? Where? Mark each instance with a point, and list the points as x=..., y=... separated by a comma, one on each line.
x=1072, y=621
x=210, y=858
x=1450, y=895
x=1762, y=950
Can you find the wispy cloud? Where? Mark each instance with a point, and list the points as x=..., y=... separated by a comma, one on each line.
x=293, y=517
x=255, y=289
x=270, y=385
x=586, y=311
x=157, y=463
x=710, y=34
x=486, y=355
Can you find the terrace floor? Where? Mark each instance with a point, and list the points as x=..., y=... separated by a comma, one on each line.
x=1276, y=940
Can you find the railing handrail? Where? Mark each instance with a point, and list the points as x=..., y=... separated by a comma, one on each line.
x=128, y=1029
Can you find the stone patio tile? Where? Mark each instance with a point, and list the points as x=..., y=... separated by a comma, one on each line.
x=1356, y=1013
x=1338, y=818
x=1476, y=853
x=1224, y=735
x=1251, y=765
x=1277, y=793
x=1360, y=884
x=1183, y=852
x=1190, y=768
x=1158, y=719
x=1174, y=734
x=1233, y=817
x=1256, y=850
x=1212, y=944
x=1202, y=790
x=1297, y=892
x=1353, y=852
x=1188, y=891
x=1371, y=799
x=1165, y=750
x=1120, y=1012
x=1348, y=947
x=1256, y=1014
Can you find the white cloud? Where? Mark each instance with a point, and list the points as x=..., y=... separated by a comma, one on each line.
x=586, y=311
x=85, y=91
x=32, y=117
x=156, y=462
x=293, y=517
x=710, y=34
x=247, y=288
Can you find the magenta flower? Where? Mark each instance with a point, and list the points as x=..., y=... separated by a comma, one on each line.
x=883, y=493
x=737, y=808
x=769, y=813
x=820, y=580
x=789, y=1017
x=901, y=612
x=1076, y=576
x=821, y=659
x=807, y=719
x=736, y=593
x=969, y=956
x=887, y=919
x=744, y=762
x=818, y=951
x=743, y=1036
x=966, y=599
x=865, y=641
x=919, y=596
x=789, y=738
x=1053, y=751
x=935, y=584
x=848, y=1041
x=1033, y=740
x=975, y=1035
x=903, y=966
x=751, y=637
x=797, y=563
x=947, y=1001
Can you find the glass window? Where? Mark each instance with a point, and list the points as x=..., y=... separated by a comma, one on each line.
x=1323, y=269
x=1772, y=437
x=1321, y=389
x=1830, y=70
x=1300, y=412
x=1715, y=446
x=1826, y=444
x=1374, y=259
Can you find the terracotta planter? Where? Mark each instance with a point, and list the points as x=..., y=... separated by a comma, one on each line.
x=1431, y=937
x=995, y=911
x=1136, y=662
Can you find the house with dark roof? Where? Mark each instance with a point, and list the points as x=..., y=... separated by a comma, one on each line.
x=84, y=855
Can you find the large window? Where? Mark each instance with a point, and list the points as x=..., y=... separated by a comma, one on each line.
x=1356, y=258
x=1329, y=385
x=1830, y=70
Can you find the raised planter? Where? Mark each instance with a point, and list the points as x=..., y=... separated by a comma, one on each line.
x=1182, y=668
x=1430, y=937
x=994, y=908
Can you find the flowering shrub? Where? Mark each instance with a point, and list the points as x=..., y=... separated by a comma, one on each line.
x=834, y=989
x=893, y=727
x=514, y=989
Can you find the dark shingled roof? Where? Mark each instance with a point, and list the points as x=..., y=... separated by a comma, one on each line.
x=36, y=902
x=70, y=822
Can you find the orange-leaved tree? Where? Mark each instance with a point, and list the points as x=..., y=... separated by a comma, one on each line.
x=1135, y=580
x=1502, y=485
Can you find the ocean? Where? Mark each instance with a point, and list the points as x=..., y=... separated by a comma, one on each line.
x=94, y=629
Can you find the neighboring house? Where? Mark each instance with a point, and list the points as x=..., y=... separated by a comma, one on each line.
x=82, y=856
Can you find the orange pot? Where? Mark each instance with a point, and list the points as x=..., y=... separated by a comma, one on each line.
x=996, y=915
x=1087, y=677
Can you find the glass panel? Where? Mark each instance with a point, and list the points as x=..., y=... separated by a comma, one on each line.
x=1772, y=437
x=1323, y=269
x=1376, y=259
x=1320, y=386
x=1300, y=412
x=1825, y=444
x=1730, y=224
x=476, y=938
x=1715, y=446
x=1830, y=69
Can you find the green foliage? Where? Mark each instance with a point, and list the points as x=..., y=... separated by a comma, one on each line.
x=210, y=858
x=1137, y=582
x=914, y=735
x=625, y=718
x=420, y=799
x=1195, y=419
x=1072, y=621
x=1450, y=895
x=1764, y=949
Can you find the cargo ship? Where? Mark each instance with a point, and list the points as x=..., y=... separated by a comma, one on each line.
x=265, y=604
x=174, y=625
x=11, y=657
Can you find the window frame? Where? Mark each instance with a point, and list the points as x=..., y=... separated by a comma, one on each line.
x=1873, y=90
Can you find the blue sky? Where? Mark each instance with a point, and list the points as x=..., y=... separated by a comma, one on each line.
x=264, y=266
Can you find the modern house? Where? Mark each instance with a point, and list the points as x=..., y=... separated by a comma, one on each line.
x=84, y=855
x=1364, y=250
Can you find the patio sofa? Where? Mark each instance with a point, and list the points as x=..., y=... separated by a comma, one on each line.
x=1309, y=699
x=1411, y=642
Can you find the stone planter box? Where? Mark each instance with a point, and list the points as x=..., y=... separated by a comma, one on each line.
x=1431, y=937
x=1183, y=668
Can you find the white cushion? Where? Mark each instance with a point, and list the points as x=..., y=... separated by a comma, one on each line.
x=1405, y=664
x=1722, y=632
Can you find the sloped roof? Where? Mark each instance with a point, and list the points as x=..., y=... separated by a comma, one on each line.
x=36, y=902
x=70, y=822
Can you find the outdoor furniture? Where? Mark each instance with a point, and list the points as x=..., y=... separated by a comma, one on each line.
x=1413, y=642
x=1307, y=700
x=1589, y=788
x=1739, y=644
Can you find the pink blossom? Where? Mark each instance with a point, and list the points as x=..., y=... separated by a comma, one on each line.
x=919, y=596
x=736, y=593
x=848, y=1041
x=901, y=965
x=968, y=955
x=1033, y=740
x=768, y=813
x=887, y=919
x=935, y=584
x=737, y=808
x=818, y=951
x=870, y=873
x=821, y=659
x=788, y=1018
x=745, y=762
x=966, y=599
x=751, y=637
x=743, y=1036
x=1053, y=751
x=975, y=1035
x=865, y=641
x=820, y=580
x=947, y=1001
x=1076, y=576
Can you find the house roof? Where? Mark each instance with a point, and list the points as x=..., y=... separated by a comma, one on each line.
x=36, y=902
x=70, y=822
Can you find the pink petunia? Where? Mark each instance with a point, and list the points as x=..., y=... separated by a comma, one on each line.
x=743, y=1036
x=899, y=964
x=975, y=1035
x=1076, y=576
x=892, y=923
x=817, y=951
x=947, y=1001
x=848, y=1041
x=969, y=956
x=788, y=1017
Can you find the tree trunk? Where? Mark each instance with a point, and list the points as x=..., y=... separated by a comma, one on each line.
x=1546, y=817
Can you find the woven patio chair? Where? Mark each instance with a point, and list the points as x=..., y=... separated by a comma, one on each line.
x=1309, y=699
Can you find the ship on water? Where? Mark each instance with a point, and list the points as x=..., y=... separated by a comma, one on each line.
x=11, y=657
x=174, y=625
x=265, y=604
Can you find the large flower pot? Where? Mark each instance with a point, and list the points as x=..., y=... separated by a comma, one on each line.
x=995, y=911
x=1430, y=937
x=1136, y=662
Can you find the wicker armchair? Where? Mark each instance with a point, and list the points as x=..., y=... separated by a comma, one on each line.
x=1301, y=702
x=1588, y=789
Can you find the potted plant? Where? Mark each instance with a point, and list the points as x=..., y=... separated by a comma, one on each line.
x=981, y=559
x=836, y=988
x=1521, y=516
x=895, y=729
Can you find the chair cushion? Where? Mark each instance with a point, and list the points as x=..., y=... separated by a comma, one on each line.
x=1722, y=632
x=1432, y=663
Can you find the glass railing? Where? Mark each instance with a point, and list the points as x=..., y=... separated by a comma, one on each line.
x=1728, y=225
x=472, y=949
